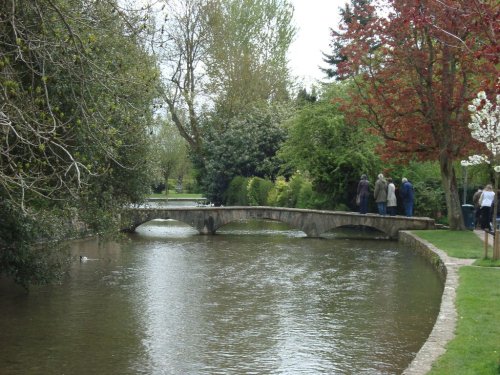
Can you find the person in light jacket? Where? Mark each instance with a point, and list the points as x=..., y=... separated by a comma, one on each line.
x=392, y=201
x=486, y=202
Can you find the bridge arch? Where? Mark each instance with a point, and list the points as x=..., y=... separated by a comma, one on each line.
x=257, y=215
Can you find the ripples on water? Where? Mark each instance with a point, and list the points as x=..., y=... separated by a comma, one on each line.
x=255, y=299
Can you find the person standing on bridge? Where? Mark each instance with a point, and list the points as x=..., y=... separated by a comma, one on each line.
x=392, y=201
x=362, y=194
x=380, y=194
x=407, y=194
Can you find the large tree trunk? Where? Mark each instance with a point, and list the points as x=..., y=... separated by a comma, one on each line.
x=448, y=178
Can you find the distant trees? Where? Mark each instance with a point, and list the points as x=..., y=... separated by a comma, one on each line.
x=357, y=14
x=170, y=153
x=246, y=60
x=221, y=56
x=414, y=87
x=225, y=69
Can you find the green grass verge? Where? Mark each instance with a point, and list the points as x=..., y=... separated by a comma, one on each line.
x=487, y=263
x=457, y=244
x=476, y=347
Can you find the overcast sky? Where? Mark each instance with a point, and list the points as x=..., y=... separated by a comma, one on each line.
x=313, y=19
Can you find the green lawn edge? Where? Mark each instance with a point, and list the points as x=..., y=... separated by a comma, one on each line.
x=476, y=346
x=457, y=244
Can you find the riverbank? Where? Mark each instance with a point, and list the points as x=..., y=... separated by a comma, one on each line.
x=466, y=337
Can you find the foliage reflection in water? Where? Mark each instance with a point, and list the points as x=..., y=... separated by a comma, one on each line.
x=256, y=298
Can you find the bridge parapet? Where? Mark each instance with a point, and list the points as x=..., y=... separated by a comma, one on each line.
x=207, y=220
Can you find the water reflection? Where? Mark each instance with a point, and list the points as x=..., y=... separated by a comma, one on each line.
x=257, y=299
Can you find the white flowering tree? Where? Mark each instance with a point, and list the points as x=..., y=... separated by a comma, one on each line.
x=485, y=127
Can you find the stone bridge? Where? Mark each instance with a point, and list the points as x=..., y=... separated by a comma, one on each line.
x=207, y=220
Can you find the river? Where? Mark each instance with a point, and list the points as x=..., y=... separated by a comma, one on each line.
x=257, y=298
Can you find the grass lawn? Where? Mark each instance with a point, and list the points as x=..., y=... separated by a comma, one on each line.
x=475, y=349
x=457, y=244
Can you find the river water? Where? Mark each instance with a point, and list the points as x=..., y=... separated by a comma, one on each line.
x=257, y=298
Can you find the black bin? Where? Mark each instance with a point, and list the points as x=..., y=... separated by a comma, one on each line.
x=468, y=214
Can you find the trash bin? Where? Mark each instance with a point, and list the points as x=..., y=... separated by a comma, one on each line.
x=468, y=214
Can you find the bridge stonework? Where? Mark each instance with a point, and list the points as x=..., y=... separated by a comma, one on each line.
x=207, y=220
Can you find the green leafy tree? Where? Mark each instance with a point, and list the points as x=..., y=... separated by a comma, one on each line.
x=247, y=54
x=171, y=155
x=415, y=87
x=76, y=89
x=225, y=55
x=246, y=148
x=332, y=152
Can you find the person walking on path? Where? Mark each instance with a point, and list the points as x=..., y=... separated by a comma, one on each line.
x=407, y=194
x=362, y=194
x=486, y=201
x=392, y=201
x=477, y=206
x=380, y=194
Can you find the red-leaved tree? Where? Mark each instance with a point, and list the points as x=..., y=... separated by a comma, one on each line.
x=417, y=64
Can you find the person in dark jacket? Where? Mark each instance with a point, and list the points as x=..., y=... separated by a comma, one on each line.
x=477, y=206
x=407, y=195
x=362, y=194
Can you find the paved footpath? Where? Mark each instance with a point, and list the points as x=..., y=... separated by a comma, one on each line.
x=481, y=233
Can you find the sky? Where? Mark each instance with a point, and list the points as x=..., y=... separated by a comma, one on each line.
x=313, y=19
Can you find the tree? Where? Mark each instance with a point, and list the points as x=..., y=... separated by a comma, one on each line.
x=303, y=97
x=222, y=54
x=76, y=89
x=359, y=12
x=181, y=49
x=334, y=153
x=485, y=127
x=414, y=88
x=171, y=153
x=247, y=52
x=246, y=148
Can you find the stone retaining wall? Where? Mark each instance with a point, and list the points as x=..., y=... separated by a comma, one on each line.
x=444, y=327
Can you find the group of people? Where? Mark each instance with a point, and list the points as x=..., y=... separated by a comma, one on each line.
x=483, y=200
x=385, y=195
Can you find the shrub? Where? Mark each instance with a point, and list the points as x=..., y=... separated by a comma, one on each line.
x=306, y=195
x=278, y=195
x=258, y=191
x=236, y=194
x=429, y=199
x=295, y=186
